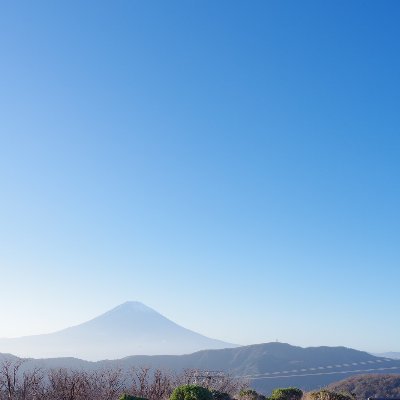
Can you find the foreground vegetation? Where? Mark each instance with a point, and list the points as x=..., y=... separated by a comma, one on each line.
x=17, y=383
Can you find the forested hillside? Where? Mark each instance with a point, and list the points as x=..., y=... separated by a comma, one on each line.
x=372, y=385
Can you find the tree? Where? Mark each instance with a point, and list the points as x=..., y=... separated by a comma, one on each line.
x=250, y=394
x=213, y=381
x=191, y=392
x=290, y=393
x=217, y=395
x=129, y=397
x=106, y=384
x=68, y=385
x=9, y=377
x=330, y=395
x=18, y=385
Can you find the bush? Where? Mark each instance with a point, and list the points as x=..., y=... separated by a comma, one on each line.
x=290, y=393
x=329, y=395
x=217, y=395
x=191, y=392
x=129, y=397
x=250, y=394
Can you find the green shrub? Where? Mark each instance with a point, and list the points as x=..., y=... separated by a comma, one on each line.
x=191, y=392
x=329, y=395
x=129, y=397
x=217, y=395
x=290, y=393
x=250, y=394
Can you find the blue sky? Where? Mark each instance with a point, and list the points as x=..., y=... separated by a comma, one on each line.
x=234, y=165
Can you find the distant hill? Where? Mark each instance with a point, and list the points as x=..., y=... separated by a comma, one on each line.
x=364, y=386
x=267, y=366
x=390, y=354
x=131, y=328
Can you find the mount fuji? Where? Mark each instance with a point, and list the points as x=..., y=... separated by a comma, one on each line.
x=132, y=328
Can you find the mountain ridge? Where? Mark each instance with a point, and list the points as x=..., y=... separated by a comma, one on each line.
x=266, y=365
x=389, y=354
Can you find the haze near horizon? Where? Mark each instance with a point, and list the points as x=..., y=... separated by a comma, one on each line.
x=232, y=165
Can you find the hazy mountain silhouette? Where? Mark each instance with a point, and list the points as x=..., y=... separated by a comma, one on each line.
x=131, y=328
x=389, y=354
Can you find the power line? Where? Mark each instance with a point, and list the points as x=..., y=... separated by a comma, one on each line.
x=320, y=370
x=324, y=373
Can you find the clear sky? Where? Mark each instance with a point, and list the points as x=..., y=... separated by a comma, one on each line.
x=233, y=164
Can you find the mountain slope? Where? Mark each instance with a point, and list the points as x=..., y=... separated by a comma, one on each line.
x=267, y=365
x=365, y=386
x=390, y=354
x=131, y=328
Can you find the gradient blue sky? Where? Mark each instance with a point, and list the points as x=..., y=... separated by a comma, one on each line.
x=232, y=164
